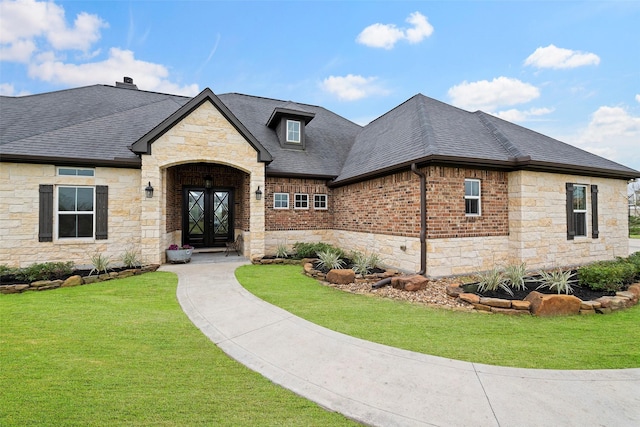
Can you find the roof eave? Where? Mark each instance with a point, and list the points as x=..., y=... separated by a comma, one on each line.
x=117, y=162
x=143, y=145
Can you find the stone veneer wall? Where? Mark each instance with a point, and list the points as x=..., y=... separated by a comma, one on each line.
x=204, y=136
x=19, y=192
x=538, y=224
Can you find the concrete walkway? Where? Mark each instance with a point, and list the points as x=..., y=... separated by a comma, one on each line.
x=384, y=386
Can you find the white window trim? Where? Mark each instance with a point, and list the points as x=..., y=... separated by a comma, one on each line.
x=274, y=201
x=56, y=216
x=93, y=171
x=326, y=202
x=294, y=141
x=478, y=197
x=581, y=211
x=295, y=201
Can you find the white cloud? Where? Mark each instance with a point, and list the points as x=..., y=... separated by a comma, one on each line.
x=489, y=95
x=7, y=89
x=556, y=57
x=351, y=87
x=147, y=75
x=638, y=97
x=385, y=36
x=29, y=21
x=18, y=51
x=514, y=115
x=613, y=133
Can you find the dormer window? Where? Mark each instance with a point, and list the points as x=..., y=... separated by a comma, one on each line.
x=289, y=123
x=293, y=131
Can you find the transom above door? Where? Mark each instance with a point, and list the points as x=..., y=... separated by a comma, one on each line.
x=207, y=216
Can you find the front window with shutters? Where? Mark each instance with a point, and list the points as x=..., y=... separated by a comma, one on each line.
x=75, y=212
x=580, y=209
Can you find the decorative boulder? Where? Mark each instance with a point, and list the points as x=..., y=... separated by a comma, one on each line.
x=409, y=283
x=72, y=281
x=341, y=276
x=553, y=305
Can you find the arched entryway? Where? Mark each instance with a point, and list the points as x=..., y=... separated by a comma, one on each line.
x=207, y=204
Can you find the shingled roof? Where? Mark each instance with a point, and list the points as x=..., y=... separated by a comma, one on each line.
x=423, y=130
x=98, y=125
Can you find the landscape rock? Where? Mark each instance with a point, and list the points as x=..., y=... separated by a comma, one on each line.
x=454, y=291
x=341, y=276
x=590, y=305
x=553, y=305
x=587, y=312
x=508, y=311
x=470, y=298
x=630, y=295
x=409, y=283
x=72, y=281
x=614, y=303
x=496, y=302
x=635, y=289
x=521, y=305
x=13, y=289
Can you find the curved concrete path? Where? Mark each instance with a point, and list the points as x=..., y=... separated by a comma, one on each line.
x=384, y=386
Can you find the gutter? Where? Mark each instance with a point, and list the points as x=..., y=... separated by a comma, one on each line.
x=423, y=219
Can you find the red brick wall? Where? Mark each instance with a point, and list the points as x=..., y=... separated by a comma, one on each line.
x=297, y=219
x=391, y=204
x=387, y=205
x=445, y=203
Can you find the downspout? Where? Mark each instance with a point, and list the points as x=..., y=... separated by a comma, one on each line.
x=423, y=228
x=423, y=219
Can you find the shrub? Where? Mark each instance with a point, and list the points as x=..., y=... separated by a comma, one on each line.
x=330, y=260
x=130, y=258
x=281, y=250
x=364, y=263
x=100, y=263
x=515, y=275
x=312, y=250
x=44, y=271
x=557, y=280
x=493, y=280
x=607, y=275
x=635, y=260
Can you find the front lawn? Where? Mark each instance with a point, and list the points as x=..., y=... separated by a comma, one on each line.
x=577, y=342
x=123, y=353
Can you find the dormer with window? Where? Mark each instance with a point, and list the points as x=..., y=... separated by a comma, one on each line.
x=289, y=123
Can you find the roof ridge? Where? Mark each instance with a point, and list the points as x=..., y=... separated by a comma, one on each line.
x=426, y=129
x=499, y=136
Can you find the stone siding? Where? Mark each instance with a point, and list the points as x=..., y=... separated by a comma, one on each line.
x=19, y=211
x=538, y=220
x=204, y=136
x=465, y=255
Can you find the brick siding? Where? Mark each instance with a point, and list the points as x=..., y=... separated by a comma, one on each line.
x=297, y=219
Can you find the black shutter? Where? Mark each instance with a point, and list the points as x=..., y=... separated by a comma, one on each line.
x=45, y=223
x=594, y=212
x=571, y=224
x=102, y=209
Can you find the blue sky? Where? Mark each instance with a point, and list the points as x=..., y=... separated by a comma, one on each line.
x=568, y=69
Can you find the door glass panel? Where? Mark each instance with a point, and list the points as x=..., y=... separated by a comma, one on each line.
x=221, y=213
x=196, y=212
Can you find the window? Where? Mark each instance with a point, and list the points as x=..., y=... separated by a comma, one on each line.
x=320, y=201
x=301, y=201
x=580, y=209
x=472, y=197
x=281, y=201
x=75, y=212
x=80, y=212
x=293, y=131
x=75, y=172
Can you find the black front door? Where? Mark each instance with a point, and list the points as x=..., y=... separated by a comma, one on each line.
x=207, y=217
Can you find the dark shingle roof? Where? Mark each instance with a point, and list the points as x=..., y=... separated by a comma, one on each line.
x=98, y=125
x=328, y=136
x=423, y=130
x=94, y=124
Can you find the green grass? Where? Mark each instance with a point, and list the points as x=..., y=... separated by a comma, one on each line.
x=575, y=342
x=123, y=353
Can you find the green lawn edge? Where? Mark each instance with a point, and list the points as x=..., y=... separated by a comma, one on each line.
x=572, y=342
x=123, y=352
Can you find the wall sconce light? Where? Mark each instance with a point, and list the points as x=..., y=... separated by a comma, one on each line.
x=208, y=182
x=148, y=191
x=258, y=193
